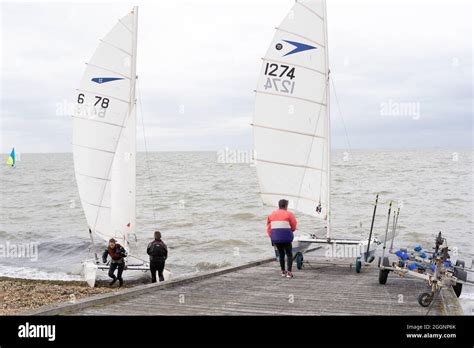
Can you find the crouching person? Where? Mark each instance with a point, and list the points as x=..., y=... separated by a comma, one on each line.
x=117, y=254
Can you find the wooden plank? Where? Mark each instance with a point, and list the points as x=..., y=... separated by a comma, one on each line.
x=62, y=308
x=327, y=288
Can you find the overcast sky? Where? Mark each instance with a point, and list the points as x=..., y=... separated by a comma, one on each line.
x=203, y=57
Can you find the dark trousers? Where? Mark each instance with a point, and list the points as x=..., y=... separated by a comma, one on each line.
x=157, y=266
x=285, y=248
x=113, y=267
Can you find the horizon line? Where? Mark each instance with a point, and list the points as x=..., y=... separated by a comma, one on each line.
x=236, y=149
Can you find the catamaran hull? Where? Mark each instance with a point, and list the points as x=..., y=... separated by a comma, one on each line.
x=90, y=269
x=303, y=243
x=359, y=250
x=89, y=272
x=299, y=246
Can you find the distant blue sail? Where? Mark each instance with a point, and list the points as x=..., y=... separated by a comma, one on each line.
x=11, y=159
x=101, y=80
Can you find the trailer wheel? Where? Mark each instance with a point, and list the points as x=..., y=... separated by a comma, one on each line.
x=461, y=275
x=358, y=265
x=383, y=276
x=299, y=260
x=425, y=299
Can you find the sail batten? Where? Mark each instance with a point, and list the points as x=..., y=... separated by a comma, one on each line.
x=292, y=115
x=289, y=131
x=125, y=26
x=291, y=97
x=301, y=36
x=102, y=94
x=296, y=65
x=96, y=205
x=286, y=194
x=98, y=121
x=290, y=164
x=107, y=69
x=310, y=10
x=116, y=47
x=93, y=177
x=94, y=148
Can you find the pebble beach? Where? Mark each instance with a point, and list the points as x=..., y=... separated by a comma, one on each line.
x=18, y=296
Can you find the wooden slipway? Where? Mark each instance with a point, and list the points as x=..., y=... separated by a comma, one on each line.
x=321, y=288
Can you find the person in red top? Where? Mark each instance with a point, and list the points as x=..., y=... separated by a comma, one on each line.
x=117, y=254
x=280, y=227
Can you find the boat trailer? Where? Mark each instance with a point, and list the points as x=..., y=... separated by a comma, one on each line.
x=433, y=266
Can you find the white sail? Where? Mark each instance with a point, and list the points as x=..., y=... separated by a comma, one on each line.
x=291, y=122
x=104, y=134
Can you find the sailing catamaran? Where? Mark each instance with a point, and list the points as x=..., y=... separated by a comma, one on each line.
x=104, y=142
x=292, y=128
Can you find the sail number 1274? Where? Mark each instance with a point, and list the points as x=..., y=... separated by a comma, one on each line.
x=280, y=78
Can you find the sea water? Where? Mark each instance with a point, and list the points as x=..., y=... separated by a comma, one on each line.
x=209, y=211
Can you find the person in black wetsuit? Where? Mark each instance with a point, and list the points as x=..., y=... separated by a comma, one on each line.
x=158, y=252
x=117, y=254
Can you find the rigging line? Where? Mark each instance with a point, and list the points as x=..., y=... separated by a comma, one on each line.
x=340, y=114
x=146, y=152
x=327, y=144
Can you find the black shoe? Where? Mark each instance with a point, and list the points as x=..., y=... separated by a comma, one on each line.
x=120, y=282
x=112, y=282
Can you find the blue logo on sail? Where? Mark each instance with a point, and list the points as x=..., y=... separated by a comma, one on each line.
x=101, y=80
x=299, y=47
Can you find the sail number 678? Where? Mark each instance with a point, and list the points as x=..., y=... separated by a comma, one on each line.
x=103, y=102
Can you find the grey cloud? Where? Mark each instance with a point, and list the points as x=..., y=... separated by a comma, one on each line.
x=206, y=56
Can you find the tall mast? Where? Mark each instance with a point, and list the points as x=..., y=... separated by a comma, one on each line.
x=134, y=57
x=328, y=125
x=131, y=126
x=133, y=114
